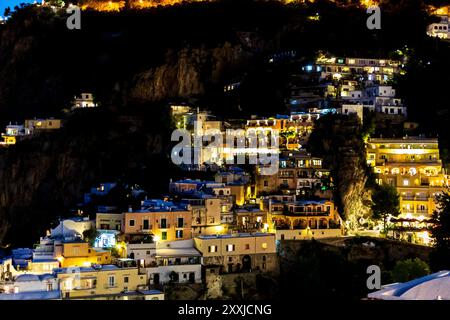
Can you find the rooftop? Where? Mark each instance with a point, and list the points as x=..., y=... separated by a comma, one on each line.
x=177, y=252
x=435, y=286
x=106, y=267
x=236, y=235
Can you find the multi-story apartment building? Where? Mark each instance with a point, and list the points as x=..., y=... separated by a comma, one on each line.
x=105, y=283
x=413, y=166
x=302, y=219
x=229, y=194
x=108, y=221
x=299, y=173
x=373, y=70
x=176, y=262
x=241, y=252
x=162, y=219
x=79, y=253
x=84, y=100
x=206, y=215
x=440, y=29
x=67, y=252
x=251, y=218
x=42, y=124
x=379, y=98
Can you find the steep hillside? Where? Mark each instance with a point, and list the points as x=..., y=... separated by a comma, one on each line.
x=42, y=177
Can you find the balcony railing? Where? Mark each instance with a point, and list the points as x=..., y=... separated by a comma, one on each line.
x=111, y=286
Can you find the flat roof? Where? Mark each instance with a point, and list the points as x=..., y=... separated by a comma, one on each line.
x=177, y=252
x=105, y=267
x=236, y=235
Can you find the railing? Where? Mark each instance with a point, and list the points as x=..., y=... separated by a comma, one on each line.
x=412, y=198
x=308, y=213
x=109, y=286
x=84, y=288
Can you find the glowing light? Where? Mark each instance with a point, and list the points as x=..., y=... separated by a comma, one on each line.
x=219, y=229
x=156, y=238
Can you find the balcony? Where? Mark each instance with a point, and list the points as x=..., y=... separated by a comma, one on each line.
x=85, y=288
x=110, y=286
x=307, y=213
x=414, y=198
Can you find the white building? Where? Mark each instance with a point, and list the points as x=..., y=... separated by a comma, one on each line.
x=84, y=100
x=31, y=287
x=73, y=227
x=143, y=253
x=379, y=98
x=176, y=261
x=440, y=29
x=357, y=109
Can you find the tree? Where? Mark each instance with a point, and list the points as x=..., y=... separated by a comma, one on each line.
x=409, y=269
x=90, y=235
x=385, y=202
x=7, y=12
x=440, y=232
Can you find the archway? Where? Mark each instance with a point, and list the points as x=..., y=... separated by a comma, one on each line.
x=246, y=263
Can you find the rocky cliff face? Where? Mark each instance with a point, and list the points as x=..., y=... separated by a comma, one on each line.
x=44, y=176
x=187, y=73
x=337, y=138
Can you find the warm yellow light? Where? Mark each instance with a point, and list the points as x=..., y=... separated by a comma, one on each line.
x=219, y=229
x=156, y=238
x=86, y=264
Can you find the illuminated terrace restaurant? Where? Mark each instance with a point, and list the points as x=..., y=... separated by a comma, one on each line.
x=435, y=286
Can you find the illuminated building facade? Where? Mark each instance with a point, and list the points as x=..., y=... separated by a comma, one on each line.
x=84, y=100
x=440, y=29
x=379, y=70
x=240, y=252
x=293, y=219
x=413, y=166
x=299, y=173
x=105, y=282
x=162, y=219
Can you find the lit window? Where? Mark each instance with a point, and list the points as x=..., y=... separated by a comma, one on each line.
x=230, y=247
x=212, y=249
x=111, y=281
x=406, y=182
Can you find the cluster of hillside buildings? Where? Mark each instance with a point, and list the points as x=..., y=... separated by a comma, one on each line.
x=413, y=166
x=202, y=230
